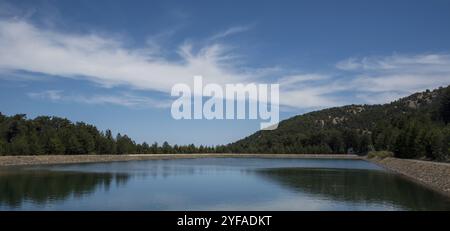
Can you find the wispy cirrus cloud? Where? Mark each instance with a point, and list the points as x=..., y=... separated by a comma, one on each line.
x=379, y=79
x=127, y=100
x=122, y=99
x=53, y=95
x=292, y=80
x=109, y=62
x=230, y=31
x=389, y=77
x=396, y=62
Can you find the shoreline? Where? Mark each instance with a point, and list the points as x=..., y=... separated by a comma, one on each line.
x=11, y=161
x=433, y=175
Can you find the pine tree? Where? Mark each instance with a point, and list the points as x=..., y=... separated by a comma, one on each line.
x=34, y=146
x=87, y=142
x=56, y=146
x=2, y=147
x=154, y=148
x=166, y=148
x=445, y=106
x=366, y=144
x=437, y=145
x=73, y=146
x=111, y=147
x=19, y=146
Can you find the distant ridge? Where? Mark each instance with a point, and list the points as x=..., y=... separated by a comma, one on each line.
x=418, y=121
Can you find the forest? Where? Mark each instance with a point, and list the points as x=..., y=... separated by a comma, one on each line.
x=417, y=126
x=54, y=135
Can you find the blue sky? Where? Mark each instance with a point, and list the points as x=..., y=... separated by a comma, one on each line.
x=112, y=63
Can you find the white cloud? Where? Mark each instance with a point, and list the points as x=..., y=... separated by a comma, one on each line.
x=127, y=100
x=367, y=80
x=379, y=97
x=109, y=62
x=348, y=64
x=405, y=73
x=301, y=78
x=307, y=91
x=53, y=95
x=230, y=31
x=123, y=99
x=308, y=98
x=421, y=62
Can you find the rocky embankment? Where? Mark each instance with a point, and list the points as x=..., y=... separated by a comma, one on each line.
x=432, y=174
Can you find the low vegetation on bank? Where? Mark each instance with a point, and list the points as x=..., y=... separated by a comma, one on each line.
x=380, y=154
x=417, y=126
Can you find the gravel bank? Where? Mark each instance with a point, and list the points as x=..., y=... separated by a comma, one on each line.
x=432, y=174
x=70, y=159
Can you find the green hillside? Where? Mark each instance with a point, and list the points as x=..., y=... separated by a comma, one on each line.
x=412, y=127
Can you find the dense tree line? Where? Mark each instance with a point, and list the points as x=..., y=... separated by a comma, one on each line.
x=417, y=126
x=54, y=135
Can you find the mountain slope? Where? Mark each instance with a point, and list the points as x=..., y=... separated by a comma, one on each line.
x=417, y=118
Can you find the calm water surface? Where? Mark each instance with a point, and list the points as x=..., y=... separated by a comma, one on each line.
x=214, y=184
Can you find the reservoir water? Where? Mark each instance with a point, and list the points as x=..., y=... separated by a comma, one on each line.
x=214, y=184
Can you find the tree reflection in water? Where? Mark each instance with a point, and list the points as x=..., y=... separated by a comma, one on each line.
x=358, y=186
x=41, y=187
